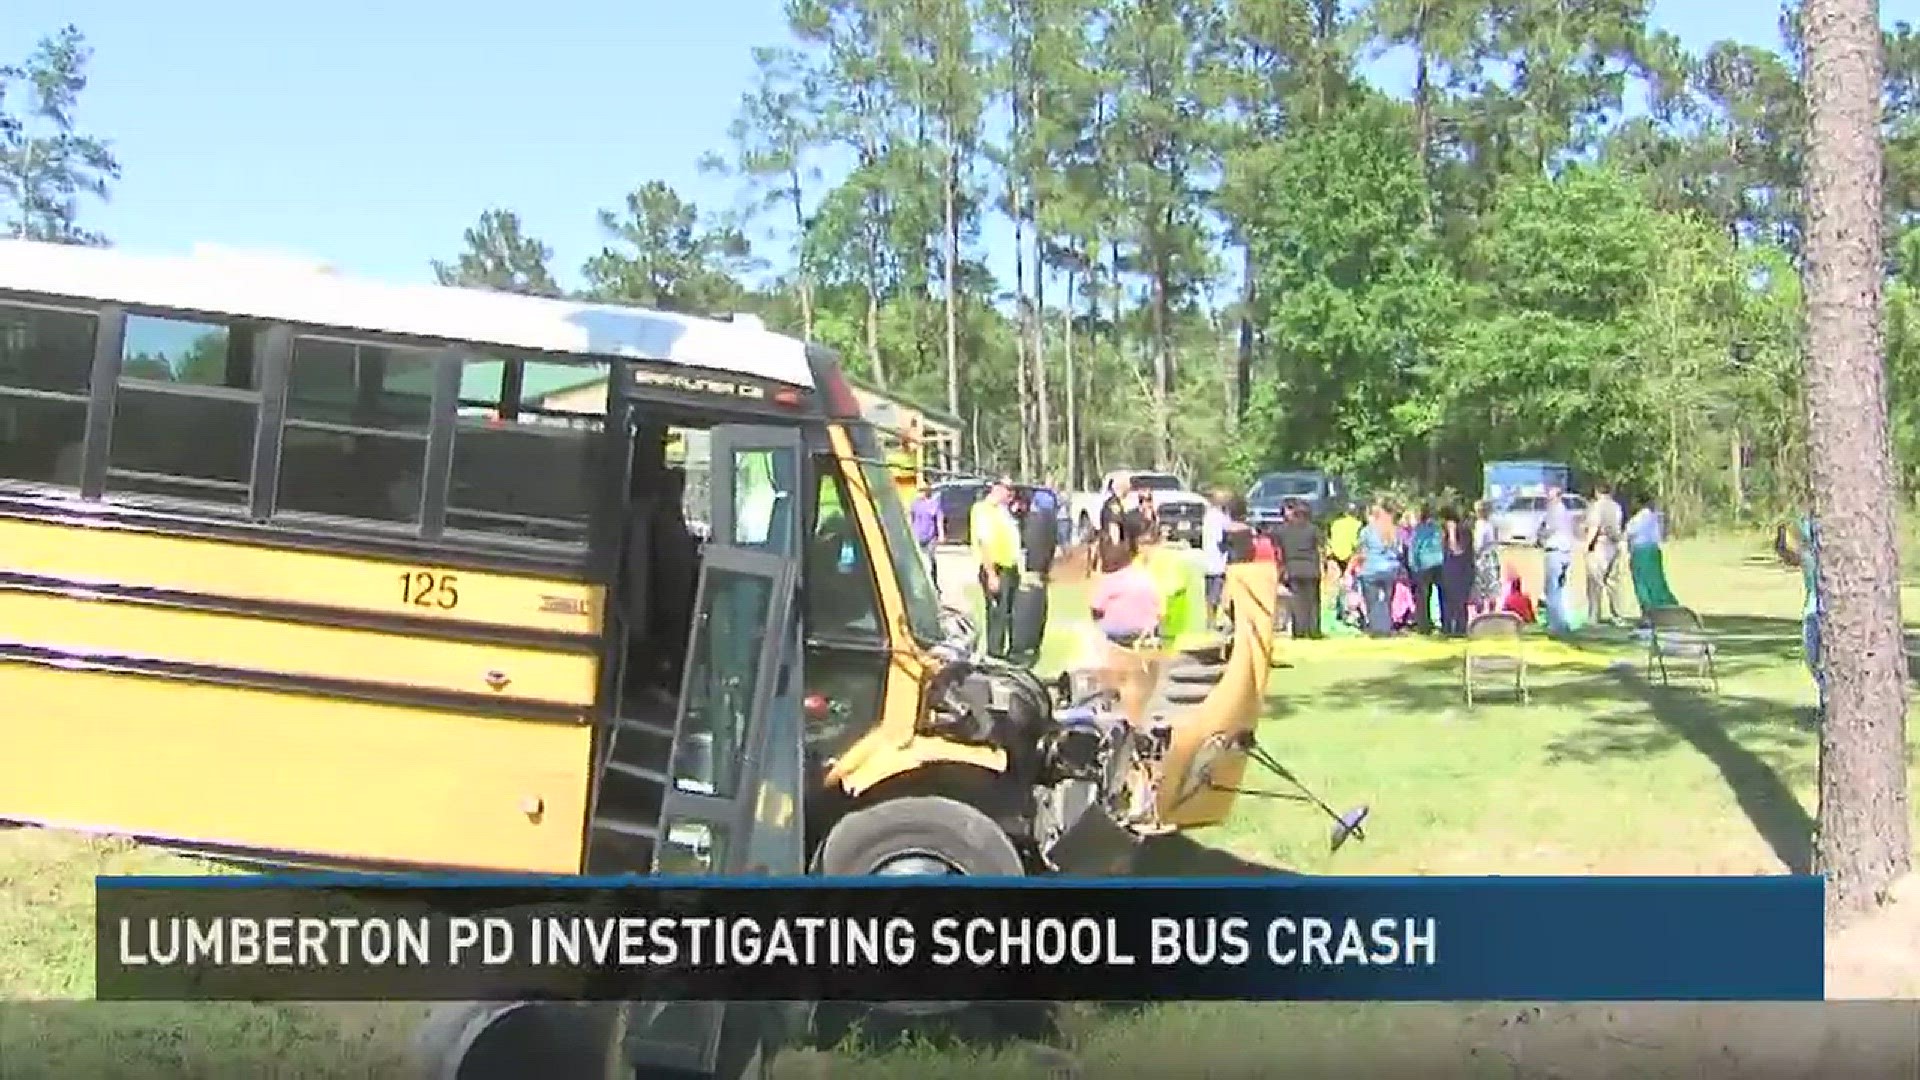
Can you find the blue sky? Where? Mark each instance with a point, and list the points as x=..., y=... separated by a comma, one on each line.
x=370, y=135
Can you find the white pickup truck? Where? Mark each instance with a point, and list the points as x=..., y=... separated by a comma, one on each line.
x=1180, y=509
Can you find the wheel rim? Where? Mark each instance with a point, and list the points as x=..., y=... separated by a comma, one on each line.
x=919, y=864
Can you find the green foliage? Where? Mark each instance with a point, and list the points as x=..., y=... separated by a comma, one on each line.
x=1903, y=360
x=1357, y=299
x=500, y=256
x=46, y=165
x=1256, y=261
x=664, y=256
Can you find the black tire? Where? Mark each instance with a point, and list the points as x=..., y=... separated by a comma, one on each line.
x=502, y=1040
x=1209, y=654
x=562, y=1041
x=967, y=842
x=1186, y=695
x=961, y=836
x=1197, y=674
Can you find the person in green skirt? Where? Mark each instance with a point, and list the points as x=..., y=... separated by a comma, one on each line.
x=1645, y=531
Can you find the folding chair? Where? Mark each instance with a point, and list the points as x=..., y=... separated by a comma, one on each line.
x=1493, y=648
x=1678, y=633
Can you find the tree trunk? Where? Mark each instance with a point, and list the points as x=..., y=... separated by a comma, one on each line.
x=1021, y=314
x=1423, y=146
x=1423, y=112
x=1042, y=404
x=806, y=278
x=1737, y=480
x=1227, y=365
x=873, y=339
x=949, y=197
x=1162, y=371
x=876, y=211
x=1326, y=17
x=1073, y=388
x=1864, y=841
x=1243, y=359
x=1119, y=339
x=1022, y=381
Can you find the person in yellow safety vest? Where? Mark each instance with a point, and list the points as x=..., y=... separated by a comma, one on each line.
x=1168, y=567
x=995, y=540
x=1343, y=539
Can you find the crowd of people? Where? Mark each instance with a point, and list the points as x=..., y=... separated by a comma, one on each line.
x=1384, y=570
x=1390, y=570
x=1433, y=569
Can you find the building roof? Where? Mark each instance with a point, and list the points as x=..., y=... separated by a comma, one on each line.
x=309, y=296
x=883, y=408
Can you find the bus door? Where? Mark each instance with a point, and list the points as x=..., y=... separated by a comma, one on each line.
x=733, y=802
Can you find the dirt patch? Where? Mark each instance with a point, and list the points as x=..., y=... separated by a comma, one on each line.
x=1860, y=1039
x=1879, y=956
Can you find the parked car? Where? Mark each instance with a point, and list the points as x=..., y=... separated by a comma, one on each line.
x=957, y=497
x=1520, y=522
x=1267, y=499
x=1180, y=509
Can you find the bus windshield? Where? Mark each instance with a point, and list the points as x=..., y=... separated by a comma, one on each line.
x=916, y=585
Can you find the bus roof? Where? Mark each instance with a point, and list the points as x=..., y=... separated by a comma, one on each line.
x=315, y=298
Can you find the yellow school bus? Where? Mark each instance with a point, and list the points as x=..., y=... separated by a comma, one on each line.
x=316, y=571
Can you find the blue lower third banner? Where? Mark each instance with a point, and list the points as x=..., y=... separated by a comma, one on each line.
x=893, y=939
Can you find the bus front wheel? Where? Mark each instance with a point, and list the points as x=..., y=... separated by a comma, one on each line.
x=564, y=1041
x=923, y=836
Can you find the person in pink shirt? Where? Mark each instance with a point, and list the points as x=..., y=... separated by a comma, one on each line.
x=1127, y=606
x=1125, y=600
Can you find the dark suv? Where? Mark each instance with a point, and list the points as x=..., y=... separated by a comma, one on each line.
x=957, y=497
x=1267, y=500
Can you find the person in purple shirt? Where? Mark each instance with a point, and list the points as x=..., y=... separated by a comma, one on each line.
x=925, y=513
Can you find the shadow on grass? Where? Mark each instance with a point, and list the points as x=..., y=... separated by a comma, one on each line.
x=1178, y=855
x=1754, y=742
x=1748, y=643
x=1750, y=740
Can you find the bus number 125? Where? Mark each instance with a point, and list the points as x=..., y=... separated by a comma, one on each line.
x=424, y=588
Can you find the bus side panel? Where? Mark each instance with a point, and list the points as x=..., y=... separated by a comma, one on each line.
x=100, y=627
x=284, y=772
x=82, y=553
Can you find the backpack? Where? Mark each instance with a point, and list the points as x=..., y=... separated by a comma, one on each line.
x=1426, y=550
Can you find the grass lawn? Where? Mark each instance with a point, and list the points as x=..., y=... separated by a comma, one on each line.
x=1602, y=774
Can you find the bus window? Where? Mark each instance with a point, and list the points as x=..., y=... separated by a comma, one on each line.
x=530, y=470
x=763, y=499
x=840, y=596
x=46, y=362
x=690, y=451
x=183, y=421
x=355, y=440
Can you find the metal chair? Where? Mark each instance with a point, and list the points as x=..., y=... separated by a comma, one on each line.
x=1493, y=648
x=1679, y=633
